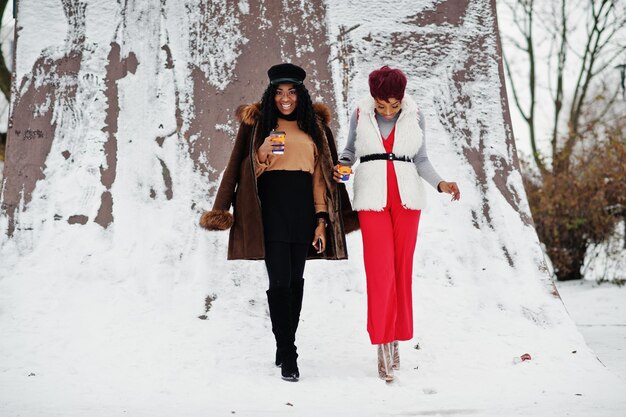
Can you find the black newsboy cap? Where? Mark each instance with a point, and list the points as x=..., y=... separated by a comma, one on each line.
x=286, y=73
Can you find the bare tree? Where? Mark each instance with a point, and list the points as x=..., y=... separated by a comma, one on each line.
x=538, y=23
x=5, y=74
x=560, y=60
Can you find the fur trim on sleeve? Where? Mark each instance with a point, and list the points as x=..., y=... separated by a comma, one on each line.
x=350, y=221
x=216, y=220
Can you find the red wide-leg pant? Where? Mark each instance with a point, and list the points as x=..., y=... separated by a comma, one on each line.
x=389, y=238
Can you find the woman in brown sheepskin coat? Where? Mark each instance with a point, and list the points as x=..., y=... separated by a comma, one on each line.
x=286, y=206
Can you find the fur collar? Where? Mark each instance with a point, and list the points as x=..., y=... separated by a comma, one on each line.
x=250, y=113
x=409, y=106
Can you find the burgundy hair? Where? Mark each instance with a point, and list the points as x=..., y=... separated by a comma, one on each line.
x=386, y=83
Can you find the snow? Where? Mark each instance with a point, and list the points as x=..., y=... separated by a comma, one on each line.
x=51, y=21
x=99, y=343
x=104, y=322
x=600, y=315
x=607, y=261
x=221, y=44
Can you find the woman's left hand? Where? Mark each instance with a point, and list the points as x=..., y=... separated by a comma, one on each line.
x=450, y=188
x=336, y=174
x=320, y=234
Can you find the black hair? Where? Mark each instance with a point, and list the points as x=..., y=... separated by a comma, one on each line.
x=305, y=114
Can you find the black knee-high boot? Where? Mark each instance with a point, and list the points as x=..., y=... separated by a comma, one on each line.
x=297, y=291
x=280, y=304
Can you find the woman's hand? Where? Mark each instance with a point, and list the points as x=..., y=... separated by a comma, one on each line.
x=336, y=174
x=265, y=150
x=341, y=173
x=320, y=235
x=450, y=188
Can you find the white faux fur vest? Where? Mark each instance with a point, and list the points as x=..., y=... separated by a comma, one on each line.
x=370, y=178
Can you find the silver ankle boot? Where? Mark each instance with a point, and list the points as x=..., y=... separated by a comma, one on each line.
x=395, y=364
x=385, y=362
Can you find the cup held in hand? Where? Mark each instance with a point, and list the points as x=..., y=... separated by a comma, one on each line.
x=344, y=172
x=278, y=142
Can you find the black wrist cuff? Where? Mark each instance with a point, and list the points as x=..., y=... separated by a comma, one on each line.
x=322, y=215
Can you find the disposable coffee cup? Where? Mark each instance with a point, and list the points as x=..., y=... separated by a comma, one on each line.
x=344, y=172
x=278, y=142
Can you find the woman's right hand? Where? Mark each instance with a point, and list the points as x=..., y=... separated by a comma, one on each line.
x=265, y=150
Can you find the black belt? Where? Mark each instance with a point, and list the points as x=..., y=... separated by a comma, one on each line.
x=385, y=157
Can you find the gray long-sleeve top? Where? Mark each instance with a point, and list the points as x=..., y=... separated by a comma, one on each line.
x=421, y=161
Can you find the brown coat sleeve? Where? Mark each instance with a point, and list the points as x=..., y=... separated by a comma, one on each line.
x=219, y=218
x=226, y=190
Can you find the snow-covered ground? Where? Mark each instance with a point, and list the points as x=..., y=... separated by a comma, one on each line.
x=599, y=312
x=97, y=331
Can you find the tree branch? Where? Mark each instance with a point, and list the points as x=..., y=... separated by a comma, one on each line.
x=561, y=58
x=593, y=49
x=514, y=89
x=5, y=74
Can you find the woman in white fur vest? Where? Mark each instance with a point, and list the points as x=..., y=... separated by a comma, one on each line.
x=386, y=136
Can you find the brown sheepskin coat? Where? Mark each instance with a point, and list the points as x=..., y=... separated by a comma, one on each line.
x=239, y=189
